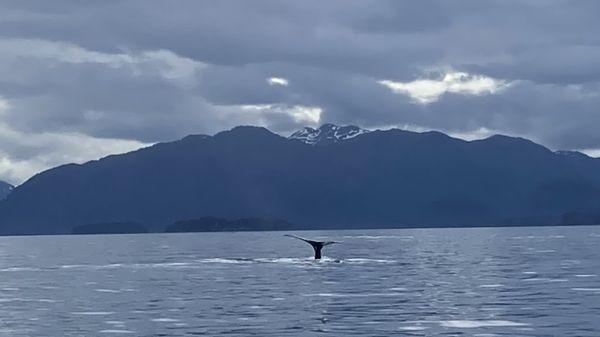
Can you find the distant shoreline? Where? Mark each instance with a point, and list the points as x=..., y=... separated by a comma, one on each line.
x=307, y=229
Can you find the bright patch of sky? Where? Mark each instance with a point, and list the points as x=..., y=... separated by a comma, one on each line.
x=278, y=81
x=3, y=105
x=591, y=152
x=425, y=91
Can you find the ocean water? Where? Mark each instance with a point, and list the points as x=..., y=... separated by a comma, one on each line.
x=416, y=282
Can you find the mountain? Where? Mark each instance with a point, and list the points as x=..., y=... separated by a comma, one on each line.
x=390, y=178
x=212, y=224
x=5, y=189
x=110, y=228
x=579, y=218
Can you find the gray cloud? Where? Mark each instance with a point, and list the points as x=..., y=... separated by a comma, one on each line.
x=115, y=75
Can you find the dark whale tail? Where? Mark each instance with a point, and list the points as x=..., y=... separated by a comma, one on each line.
x=317, y=245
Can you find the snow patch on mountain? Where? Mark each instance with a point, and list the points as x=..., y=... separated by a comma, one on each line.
x=327, y=133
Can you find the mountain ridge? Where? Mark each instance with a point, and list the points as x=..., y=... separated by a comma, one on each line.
x=376, y=178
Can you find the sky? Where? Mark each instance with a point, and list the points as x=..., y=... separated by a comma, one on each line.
x=80, y=80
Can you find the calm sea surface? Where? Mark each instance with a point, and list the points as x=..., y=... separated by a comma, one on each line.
x=426, y=282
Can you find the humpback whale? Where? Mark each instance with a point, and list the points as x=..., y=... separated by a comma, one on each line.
x=317, y=245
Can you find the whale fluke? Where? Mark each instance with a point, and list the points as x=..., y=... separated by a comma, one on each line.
x=317, y=245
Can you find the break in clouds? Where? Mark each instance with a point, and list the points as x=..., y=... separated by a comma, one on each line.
x=82, y=80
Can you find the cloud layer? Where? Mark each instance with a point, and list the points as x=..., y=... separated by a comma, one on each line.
x=83, y=80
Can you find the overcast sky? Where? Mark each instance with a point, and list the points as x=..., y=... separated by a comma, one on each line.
x=82, y=79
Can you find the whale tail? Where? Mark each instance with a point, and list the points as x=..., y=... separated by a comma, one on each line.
x=317, y=245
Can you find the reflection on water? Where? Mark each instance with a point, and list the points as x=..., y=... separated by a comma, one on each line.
x=428, y=282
